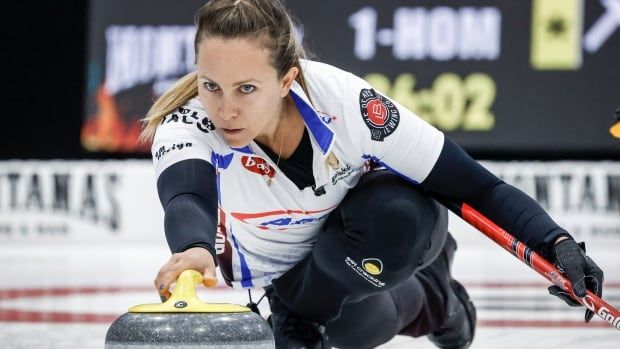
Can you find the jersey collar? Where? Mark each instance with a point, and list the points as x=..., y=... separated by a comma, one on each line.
x=322, y=134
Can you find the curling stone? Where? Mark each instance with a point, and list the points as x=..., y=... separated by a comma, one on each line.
x=183, y=321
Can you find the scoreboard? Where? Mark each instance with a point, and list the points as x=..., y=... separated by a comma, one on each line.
x=538, y=77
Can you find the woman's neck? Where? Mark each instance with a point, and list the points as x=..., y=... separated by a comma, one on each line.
x=288, y=132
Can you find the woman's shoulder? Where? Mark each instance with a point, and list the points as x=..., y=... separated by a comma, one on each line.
x=189, y=120
x=328, y=81
x=317, y=67
x=325, y=80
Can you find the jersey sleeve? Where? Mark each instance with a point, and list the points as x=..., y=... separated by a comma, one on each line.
x=186, y=183
x=398, y=139
x=182, y=135
x=390, y=134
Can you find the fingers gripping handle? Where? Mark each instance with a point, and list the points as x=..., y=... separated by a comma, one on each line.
x=185, y=300
x=187, y=282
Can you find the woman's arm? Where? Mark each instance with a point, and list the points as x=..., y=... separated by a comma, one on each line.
x=186, y=184
x=458, y=177
x=187, y=191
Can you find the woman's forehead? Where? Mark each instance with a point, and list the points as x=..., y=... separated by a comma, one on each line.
x=234, y=59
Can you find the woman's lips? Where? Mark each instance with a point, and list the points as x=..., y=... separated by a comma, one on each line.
x=231, y=131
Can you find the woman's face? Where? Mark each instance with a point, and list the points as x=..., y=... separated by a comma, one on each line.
x=239, y=88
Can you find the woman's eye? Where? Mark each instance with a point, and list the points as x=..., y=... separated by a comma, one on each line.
x=247, y=88
x=210, y=86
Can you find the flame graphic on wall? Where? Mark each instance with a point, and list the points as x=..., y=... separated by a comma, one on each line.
x=107, y=132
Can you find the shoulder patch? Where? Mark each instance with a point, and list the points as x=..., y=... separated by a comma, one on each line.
x=379, y=113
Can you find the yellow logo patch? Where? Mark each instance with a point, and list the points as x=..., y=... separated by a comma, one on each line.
x=372, y=266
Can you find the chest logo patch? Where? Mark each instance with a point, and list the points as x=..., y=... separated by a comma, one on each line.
x=380, y=114
x=258, y=165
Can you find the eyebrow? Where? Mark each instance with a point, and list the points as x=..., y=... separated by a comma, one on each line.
x=234, y=84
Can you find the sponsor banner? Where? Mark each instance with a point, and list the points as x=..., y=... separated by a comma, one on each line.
x=79, y=201
x=497, y=76
x=117, y=200
x=582, y=197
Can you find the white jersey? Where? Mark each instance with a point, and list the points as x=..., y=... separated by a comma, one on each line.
x=266, y=223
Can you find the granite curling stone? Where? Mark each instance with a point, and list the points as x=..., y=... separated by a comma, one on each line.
x=183, y=321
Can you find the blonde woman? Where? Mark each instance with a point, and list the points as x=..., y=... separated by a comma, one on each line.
x=316, y=188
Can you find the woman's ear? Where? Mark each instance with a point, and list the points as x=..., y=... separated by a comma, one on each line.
x=287, y=81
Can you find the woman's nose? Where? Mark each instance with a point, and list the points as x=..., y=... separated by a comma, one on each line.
x=227, y=109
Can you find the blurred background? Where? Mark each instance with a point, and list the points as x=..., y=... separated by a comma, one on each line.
x=527, y=87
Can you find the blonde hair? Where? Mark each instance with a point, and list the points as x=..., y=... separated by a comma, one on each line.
x=181, y=92
x=267, y=20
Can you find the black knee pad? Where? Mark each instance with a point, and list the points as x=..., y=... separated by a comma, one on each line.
x=395, y=220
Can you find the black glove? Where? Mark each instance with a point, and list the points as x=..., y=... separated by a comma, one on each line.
x=571, y=260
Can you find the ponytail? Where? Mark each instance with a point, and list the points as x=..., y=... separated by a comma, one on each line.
x=177, y=96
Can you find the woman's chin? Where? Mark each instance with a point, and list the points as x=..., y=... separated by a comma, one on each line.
x=235, y=140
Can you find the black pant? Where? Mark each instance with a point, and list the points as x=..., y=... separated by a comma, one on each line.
x=360, y=278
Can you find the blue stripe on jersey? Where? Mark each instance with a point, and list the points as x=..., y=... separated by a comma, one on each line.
x=322, y=134
x=246, y=276
x=221, y=161
x=376, y=160
x=214, y=161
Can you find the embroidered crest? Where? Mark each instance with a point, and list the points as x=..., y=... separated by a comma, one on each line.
x=379, y=113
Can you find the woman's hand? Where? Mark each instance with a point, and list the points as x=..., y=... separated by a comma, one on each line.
x=194, y=258
x=572, y=261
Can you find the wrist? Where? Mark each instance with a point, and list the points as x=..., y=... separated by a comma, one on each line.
x=204, y=247
x=560, y=239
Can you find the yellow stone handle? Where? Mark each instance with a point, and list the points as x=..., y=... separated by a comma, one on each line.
x=186, y=285
x=184, y=299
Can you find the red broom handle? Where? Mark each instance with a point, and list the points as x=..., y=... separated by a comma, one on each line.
x=535, y=261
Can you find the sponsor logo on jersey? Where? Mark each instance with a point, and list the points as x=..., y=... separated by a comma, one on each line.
x=326, y=118
x=379, y=113
x=373, y=266
x=258, y=165
x=342, y=173
x=165, y=149
x=189, y=117
x=282, y=219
